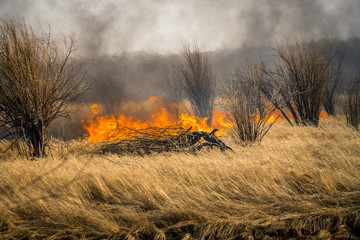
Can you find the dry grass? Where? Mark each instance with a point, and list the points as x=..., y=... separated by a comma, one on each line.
x=298, y=182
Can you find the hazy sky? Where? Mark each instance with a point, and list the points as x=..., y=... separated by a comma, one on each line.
x=113, y=27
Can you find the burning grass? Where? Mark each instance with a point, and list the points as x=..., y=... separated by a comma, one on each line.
x=298, y=182
x=164, y=120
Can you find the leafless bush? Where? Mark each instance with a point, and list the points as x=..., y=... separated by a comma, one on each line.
x=330, y=48
x=37, y=83
x=330, y=96
x=250, y=114
x=300, y=80
x=195, y=77
x=353, y=103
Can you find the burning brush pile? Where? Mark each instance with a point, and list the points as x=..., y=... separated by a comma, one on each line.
x=166, y=131
x=146, y=143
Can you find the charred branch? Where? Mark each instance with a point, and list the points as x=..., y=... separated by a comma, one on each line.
x=185, y=141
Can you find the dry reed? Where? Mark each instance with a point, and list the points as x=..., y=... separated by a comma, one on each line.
x=298, y=182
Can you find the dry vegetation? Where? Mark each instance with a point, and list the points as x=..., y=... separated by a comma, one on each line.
x=298, y=182
x=194, y=76
x=352, y=109
x=247, y=105
x=37, y=84
x=302, y=79
x=155, y=140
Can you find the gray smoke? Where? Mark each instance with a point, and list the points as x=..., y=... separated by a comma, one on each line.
x=128, y=77
x=129, y=46
x=114, y=27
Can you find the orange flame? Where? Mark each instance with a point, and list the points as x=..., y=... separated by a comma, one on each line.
x=323, y=115
x=108, y=128
x=166, y=121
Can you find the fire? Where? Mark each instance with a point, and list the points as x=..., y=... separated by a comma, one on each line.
x=93, y=108
x=165, y=121
x=108, y=128
x=323, y=115
x=273, y=117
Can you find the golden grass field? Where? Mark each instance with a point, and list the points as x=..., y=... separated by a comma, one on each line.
x=299, y=182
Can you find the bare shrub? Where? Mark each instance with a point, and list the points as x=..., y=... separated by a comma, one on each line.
x=330, y=93
x=353, y=103
x=250, y=114
x=37, y=83
x=194, y=75
x=300, y=80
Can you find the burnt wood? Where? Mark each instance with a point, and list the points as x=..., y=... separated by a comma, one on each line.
x=185, y=141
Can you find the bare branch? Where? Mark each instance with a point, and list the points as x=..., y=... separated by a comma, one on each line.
x=353, y=103
x=37, y=82
x=194, y=75
x=300, y=80
x=252, y=116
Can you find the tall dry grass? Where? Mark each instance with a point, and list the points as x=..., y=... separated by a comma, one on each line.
x=298, y=182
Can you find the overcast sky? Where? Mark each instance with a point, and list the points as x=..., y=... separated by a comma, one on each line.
x=114, y=27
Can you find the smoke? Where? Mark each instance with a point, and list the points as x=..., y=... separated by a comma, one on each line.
x=129, y=46
x=128, y=77
x=114, y=27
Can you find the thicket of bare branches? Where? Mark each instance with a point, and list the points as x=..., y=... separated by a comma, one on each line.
x=353, y=103
x=250, y=114
x=299, y=81
x=37, y=83
x=330, y=93
x=194, y=75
